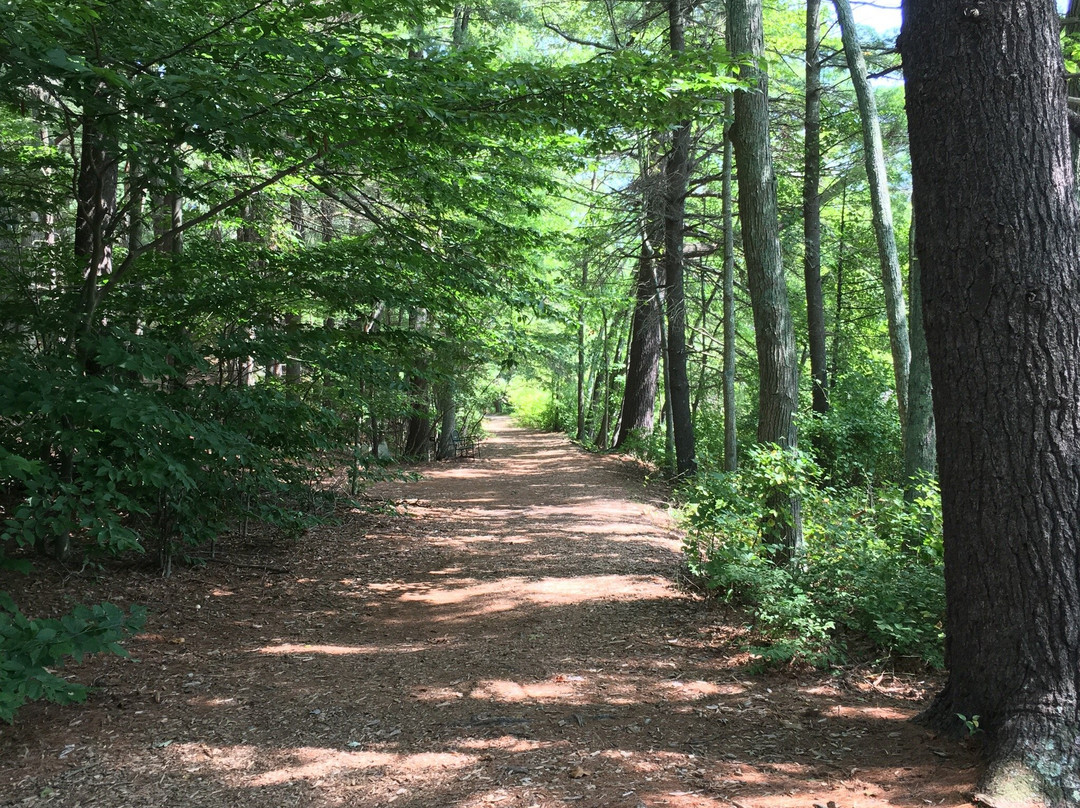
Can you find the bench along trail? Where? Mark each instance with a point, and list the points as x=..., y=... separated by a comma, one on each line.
x=509, y=632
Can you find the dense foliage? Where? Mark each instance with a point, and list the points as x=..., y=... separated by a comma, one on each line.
x=872, y=569
x=241, y=246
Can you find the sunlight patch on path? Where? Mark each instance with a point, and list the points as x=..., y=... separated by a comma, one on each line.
x=515, y=592
x=312, y=763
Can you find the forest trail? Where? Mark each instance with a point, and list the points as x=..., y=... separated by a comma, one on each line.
x=508, y=633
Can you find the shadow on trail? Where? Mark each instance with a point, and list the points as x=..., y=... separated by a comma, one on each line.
x=513, y=639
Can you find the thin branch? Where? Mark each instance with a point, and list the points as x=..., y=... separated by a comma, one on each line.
x=205, y=35
x=577, y=41
x=885, y=72
x=235, y=199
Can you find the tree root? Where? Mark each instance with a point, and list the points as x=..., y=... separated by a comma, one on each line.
x=1033, y=755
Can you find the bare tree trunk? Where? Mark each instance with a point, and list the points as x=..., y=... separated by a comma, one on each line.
x=731, y=457
x=774, y=332
x=418, y=431
x=136, y=205
x=296, y=218
x=609, y=365
x=95, y=208
x=168, y=212
x=643, y=364
x=874, y=156
x=294, y=368
x=448, y=422
x=920, y=437
x=676, y=172
x=597, y=368
x=815, y=300
x=174, y=243
x=665, y=411
x=462, y=16
x=326, y=219
x=838, y=317
x=1071, y=28
x=580, y=433
x=600, y=439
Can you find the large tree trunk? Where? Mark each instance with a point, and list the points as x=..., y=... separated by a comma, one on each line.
x=815, y=298
x=643, y=366
x=920, y=451
x=774, y=333
x=676, y=173
x=999, y=248
x=874, y=158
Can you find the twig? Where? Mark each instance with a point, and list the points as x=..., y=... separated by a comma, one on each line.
x=277, y=570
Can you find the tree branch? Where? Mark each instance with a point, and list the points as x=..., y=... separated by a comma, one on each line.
x=205, y=35
x=570, y=38
x=885, y=72
x=1074, y=123
x=129, y=260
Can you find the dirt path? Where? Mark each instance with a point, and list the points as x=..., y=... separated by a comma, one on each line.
x=509, y=636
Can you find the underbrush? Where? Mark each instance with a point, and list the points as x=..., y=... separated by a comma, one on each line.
x=137, y=449
x=870, y=568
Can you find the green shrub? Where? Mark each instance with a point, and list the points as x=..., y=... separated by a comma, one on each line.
x=870, y=569
x=649, y=446
x=32, y=651
x=128, y=465
x=857, y=442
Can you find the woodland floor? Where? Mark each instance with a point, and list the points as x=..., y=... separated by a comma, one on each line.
x=506, y=632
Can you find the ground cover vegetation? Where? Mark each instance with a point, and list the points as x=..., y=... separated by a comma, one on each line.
x=242, y=246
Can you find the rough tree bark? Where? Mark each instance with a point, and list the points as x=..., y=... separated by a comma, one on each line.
x=447, y=420
x=1072, y=28
x=643, y=365
x=999, y=248
x=773, y=329
x=815, y=298
x=676, y=173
